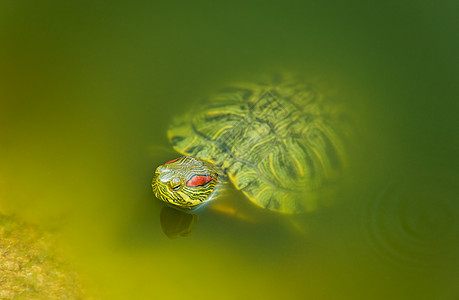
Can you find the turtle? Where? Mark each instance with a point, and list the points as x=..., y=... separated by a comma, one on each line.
x=279, y=140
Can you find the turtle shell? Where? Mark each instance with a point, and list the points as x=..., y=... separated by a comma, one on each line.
x=277, y=141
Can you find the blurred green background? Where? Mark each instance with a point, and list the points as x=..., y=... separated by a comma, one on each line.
x=88, y=89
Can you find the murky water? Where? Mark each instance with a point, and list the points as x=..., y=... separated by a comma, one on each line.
x=413, y=223
x=87, y=92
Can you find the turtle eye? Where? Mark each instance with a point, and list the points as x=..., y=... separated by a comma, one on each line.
x=176, y=187
x=175, y=184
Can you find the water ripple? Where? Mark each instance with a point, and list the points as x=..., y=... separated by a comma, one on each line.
x=414, y=223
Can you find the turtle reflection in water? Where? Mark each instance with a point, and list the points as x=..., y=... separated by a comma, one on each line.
x=279, y=141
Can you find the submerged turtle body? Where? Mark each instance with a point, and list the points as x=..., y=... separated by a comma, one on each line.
x=277, y=141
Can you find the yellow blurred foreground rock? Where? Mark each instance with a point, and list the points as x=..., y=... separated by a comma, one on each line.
x=30, y=267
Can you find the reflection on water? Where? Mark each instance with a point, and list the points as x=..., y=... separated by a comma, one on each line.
x=414, y=222
x=176, y=223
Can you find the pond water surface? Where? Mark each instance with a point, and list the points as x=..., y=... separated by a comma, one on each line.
x=88, y=90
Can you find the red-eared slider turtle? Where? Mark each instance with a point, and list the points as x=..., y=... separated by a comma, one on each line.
x=279, y=141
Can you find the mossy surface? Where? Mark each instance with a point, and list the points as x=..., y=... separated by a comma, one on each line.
x=30, y=266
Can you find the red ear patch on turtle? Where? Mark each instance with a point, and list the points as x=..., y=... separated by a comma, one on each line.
x=171, y=161
x=198, y=180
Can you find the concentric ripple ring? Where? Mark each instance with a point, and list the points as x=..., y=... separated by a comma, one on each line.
x=414, y=223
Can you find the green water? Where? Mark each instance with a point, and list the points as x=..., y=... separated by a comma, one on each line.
x=87, y=90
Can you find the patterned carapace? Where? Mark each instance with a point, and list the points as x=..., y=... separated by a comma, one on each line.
x=279, y=141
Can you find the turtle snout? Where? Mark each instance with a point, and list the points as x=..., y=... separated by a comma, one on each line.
x=160, y=170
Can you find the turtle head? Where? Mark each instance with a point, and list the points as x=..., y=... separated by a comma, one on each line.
x=185, y=182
